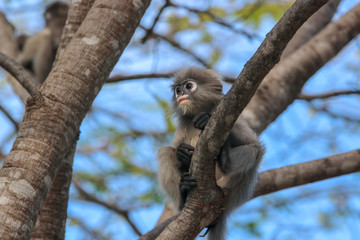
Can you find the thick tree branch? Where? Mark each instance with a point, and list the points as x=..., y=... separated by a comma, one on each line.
x=285, y=81
x=52, y=220
x=20, y=74
x=53, y=117
x=311, y=27
x=299, y=174
x=204, y=203
x=274, y=180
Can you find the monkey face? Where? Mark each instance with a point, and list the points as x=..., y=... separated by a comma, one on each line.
x=184, y=91
x=196, y=90
x=184, y=96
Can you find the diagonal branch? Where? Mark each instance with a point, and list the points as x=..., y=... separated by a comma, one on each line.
x=216, y=20
x=327, y=95
x=285, y=81
x=274, y=180
x=150, y=31
x=119, y=78
x=12, y=120
x=299, y=174
x=20, y=74
x=124, y=213
x=177, y=45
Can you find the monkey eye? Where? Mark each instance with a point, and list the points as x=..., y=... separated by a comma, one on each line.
x=190, y=86
x=177, y=90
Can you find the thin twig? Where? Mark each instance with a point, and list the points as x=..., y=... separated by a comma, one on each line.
x=327, y=95
x=151, y=29
x=178, y=46
x=112, y=207
x=216, y=20
x=17, y=71
x=12, y=120
x=119, y=78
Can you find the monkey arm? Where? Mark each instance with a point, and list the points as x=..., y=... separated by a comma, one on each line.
x=169, y=175
x=184, y=153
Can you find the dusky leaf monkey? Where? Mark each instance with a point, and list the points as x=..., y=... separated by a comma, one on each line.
x=38, y=51
x=197, y=92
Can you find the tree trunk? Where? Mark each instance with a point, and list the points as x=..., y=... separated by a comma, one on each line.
x=53, y=117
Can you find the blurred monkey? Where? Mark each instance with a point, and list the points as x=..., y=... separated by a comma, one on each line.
x=38, y=51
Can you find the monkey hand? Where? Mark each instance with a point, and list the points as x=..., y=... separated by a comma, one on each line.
x=187, y=182
x=201, y=120
x=184, y=153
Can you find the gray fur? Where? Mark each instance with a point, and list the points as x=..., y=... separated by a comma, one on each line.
x=38, y=53
x=239, y=158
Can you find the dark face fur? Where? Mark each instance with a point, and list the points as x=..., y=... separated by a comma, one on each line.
x=196, y=90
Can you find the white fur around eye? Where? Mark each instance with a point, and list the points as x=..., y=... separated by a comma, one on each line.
x=191, y=86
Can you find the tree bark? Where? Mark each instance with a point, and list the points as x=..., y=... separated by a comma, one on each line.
x=51, y=222
x=299, y=174
x=53, y=117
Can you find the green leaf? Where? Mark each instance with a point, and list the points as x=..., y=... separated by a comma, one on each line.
x=218, y=12
x=254, y=13
x=216, y=55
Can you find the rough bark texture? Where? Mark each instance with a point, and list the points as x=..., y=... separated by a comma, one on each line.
x=53, y=116
x=204, y=203
x=285, y=81
x=51, y=222
x=308, y=172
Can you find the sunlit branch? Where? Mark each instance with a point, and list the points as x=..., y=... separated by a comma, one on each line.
x=20, y=74
x=299, y=174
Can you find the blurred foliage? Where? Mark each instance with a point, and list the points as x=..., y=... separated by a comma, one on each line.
x=255, y=12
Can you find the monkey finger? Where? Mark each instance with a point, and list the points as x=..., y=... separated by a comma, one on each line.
x=186, y=146
x=201, y=120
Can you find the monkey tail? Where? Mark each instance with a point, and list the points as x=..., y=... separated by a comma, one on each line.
x=217, y=231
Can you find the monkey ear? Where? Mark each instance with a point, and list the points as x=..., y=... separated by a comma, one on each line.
x=47, y=16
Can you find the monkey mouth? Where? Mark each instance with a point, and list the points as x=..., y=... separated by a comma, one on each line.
x=183, y=99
